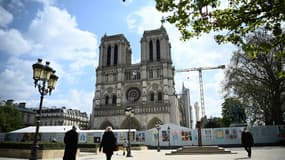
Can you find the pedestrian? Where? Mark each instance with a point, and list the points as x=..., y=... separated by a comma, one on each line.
x=70, y=141
x=125, y=144
x=108, y=142
x=247, y=141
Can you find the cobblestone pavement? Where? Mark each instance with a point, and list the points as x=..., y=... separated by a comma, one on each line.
x=258, y=153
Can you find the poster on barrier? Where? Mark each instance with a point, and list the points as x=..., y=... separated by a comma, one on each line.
x=165, y=136
x=219, y=134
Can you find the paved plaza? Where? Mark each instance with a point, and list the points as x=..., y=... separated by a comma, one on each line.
x=258, y=153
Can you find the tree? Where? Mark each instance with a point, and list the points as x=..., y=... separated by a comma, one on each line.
x=10, y=118
x=214, y=122
x=233, y=111
x=233, y=23
x=255, y=81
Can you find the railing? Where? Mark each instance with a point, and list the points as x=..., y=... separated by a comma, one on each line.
x=142, y=109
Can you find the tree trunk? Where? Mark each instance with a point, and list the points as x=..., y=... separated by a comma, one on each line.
x=276, y=109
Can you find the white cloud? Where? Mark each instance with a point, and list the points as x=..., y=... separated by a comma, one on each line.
x=52, y=35
x=16, y=80
x=47, y=2
x=55, y=33
x=12, y=42
x=145, y=18
x=5, y=17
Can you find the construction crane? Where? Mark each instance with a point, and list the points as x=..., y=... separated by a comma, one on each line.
x=200, y=69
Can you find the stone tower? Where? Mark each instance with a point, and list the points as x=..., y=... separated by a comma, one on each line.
x=147, y=87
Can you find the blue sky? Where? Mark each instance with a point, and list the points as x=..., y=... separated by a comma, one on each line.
x=67, y=33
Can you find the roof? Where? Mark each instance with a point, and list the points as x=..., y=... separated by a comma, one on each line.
x=44, y=129
x=158, y=31
x=102, y=130
x=61, y=129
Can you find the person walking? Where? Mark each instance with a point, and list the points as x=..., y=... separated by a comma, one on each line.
x=125, y=145
x=71, y=142
x=247, y=141
x=108, y=142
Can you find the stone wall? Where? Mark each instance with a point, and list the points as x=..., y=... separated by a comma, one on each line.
x=25, y=153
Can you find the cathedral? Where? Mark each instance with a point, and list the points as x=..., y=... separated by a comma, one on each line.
x=145, y=88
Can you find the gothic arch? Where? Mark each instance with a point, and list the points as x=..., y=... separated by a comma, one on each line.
x=105, y=124
x=109, y=56
x=157, y=50
x=150, y=50
x=153, y=122
x=116, y=55
x=151, y=98
x=114, y=99
x=106, y=99
x=159, y=96
x=134, y=123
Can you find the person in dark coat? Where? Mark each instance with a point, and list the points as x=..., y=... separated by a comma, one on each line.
x=108, y=142
x=247, y=141
x=70, y=141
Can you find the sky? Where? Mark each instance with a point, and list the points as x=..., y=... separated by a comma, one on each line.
x=67, y=33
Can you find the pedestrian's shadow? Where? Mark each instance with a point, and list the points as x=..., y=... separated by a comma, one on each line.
x=241, y=158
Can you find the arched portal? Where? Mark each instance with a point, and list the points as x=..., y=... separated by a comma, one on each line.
x=153, y=122
x=106, y=124
x=134, y=124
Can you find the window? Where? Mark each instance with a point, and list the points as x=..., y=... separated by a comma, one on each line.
x=150, y=51
x=114, y=99
x=158, y=73
x=159, y=96
x=115, y=77
x=157, y=50
x=108, y=56
x=138, y=75
x=106, y=99
x=152, y=96
x=132, y=75
x=127, y=75
x=116, y=55
x=150, y=74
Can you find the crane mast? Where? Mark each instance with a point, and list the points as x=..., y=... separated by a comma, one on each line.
x=200, y=69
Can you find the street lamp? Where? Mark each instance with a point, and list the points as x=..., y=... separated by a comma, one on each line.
x=129, y=113
x=157, y=125
x=168, y=130
x=45, y=79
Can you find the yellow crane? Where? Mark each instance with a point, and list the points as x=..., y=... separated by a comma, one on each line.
x=200, y=69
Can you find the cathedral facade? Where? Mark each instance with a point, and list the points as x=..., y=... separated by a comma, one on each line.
x=146, y=87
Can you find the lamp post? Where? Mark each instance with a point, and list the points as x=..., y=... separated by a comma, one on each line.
x=129, y=113
x=45, y=80
x=158, y=128
x=168, y=130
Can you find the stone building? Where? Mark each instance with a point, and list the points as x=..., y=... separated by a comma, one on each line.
x=63, y=117
x=147, y=87
x=185, y=108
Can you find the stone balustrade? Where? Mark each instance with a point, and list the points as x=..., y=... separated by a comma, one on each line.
x=143, y=109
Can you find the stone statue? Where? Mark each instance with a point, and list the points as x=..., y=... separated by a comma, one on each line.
x=197, y=109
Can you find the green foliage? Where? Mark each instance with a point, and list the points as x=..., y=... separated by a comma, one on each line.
x=10, y=118
x=256, y=81
x=82, y=145
x=42, y=145
x=27, y=145
x=233, y=22
x=232, y=109
x=215, y=122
